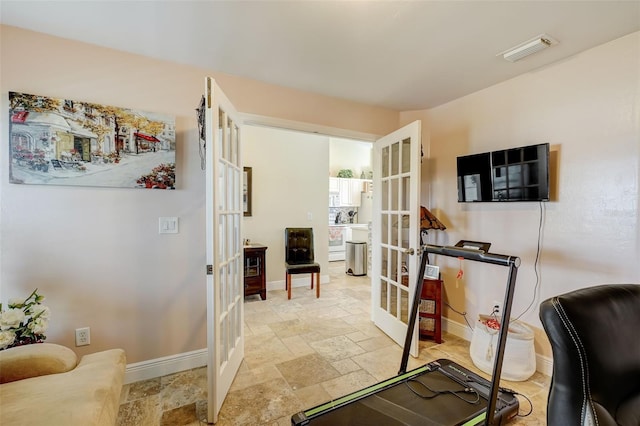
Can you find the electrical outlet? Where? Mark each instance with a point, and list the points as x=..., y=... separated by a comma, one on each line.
x=83, y=336
x=496, y=308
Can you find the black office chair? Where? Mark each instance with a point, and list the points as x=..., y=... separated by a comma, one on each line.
x=595, y=337
x=299, y=257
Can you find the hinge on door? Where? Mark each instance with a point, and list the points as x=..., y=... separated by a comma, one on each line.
x=209, y=269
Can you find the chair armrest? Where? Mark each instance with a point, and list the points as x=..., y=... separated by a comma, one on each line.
x=39, y=359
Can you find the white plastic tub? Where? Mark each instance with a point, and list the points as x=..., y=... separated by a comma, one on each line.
x=519, y=356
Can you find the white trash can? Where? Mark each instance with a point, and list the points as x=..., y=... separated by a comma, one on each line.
x=519, y=361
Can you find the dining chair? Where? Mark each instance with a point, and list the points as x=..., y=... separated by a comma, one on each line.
x=299, y=257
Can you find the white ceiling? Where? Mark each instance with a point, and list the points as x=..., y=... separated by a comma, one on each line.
x=404, y=55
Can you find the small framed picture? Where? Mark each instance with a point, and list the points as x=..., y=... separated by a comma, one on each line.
x=432, y=272
x=247, y=191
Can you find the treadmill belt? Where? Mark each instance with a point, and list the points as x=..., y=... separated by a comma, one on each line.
x=395, y=402
x=397, y=405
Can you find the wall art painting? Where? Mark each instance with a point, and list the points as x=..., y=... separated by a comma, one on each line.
x=67, y=142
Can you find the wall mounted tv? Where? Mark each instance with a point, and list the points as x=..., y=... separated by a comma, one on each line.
x=515, y=174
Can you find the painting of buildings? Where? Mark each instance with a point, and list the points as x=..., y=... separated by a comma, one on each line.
x=67, y=142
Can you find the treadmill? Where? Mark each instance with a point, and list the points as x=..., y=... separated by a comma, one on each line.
x=439, y=393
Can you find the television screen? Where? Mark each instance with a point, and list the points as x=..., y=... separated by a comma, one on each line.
x=515, y=174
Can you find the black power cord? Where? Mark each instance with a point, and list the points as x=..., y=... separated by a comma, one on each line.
x=536, y=265
x=434, y=393
x=463, y=314
x=511, y=391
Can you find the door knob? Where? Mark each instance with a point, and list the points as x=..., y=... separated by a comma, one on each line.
x=409, y=251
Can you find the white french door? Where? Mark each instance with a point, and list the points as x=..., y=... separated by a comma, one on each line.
x=395, y=231
x=224, y=212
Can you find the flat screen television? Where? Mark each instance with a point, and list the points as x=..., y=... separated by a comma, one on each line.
x=514, y=174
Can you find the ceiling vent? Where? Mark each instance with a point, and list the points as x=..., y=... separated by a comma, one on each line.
x=528, y=48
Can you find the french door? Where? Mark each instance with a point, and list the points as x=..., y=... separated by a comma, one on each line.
x=224, y=212
x=395, y=231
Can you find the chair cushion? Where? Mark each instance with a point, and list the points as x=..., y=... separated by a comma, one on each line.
x=305, y=268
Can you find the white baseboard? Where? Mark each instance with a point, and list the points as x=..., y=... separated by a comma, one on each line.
x=167, y=365
x=460, y=330
x=544, y=364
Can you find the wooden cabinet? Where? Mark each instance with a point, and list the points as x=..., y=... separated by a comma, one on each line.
x=430, y=310
x=255, y=278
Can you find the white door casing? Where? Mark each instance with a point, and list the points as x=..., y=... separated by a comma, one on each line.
x=224, y=251
x=395, y=231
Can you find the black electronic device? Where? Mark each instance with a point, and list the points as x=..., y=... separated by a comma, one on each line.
x=474, y=245
x=514, y=174
x=439, y=393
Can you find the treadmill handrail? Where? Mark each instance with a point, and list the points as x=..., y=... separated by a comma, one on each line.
x=473, y=254
x=512, y=262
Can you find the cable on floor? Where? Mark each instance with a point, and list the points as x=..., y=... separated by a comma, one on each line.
x=435, y=393
x=522, y=395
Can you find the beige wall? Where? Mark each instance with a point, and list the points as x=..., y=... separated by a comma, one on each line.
x=290, y=182
x=588, y=108
x=95, y=253
x=350, y=154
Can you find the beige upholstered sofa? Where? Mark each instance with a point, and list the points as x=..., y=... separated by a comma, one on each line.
x=44, y=384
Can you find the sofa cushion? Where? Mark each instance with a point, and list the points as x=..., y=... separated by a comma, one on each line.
x=88, y=395
x=23, y=362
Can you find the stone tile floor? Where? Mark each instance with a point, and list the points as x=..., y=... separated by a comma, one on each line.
x=300, y=353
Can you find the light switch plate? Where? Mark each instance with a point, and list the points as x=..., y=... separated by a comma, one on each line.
x=168, y=225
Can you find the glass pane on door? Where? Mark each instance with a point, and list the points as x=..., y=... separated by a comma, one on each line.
x=384, y=294
x=404, y=304
x=395, y=159
x=395, y=193
x=385, y=162
x=406, y=156
x=393, y=300
x=384, y=232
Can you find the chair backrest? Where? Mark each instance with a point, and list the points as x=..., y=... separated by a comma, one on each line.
x=594, y=334
x=298, y=245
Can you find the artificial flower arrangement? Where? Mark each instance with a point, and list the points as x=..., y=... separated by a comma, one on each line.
x=24, y=321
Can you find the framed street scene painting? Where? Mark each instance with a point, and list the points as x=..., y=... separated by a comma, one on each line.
x=66, y=142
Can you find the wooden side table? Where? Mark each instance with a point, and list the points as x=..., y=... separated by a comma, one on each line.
x=430, y=310
x=255, y=277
